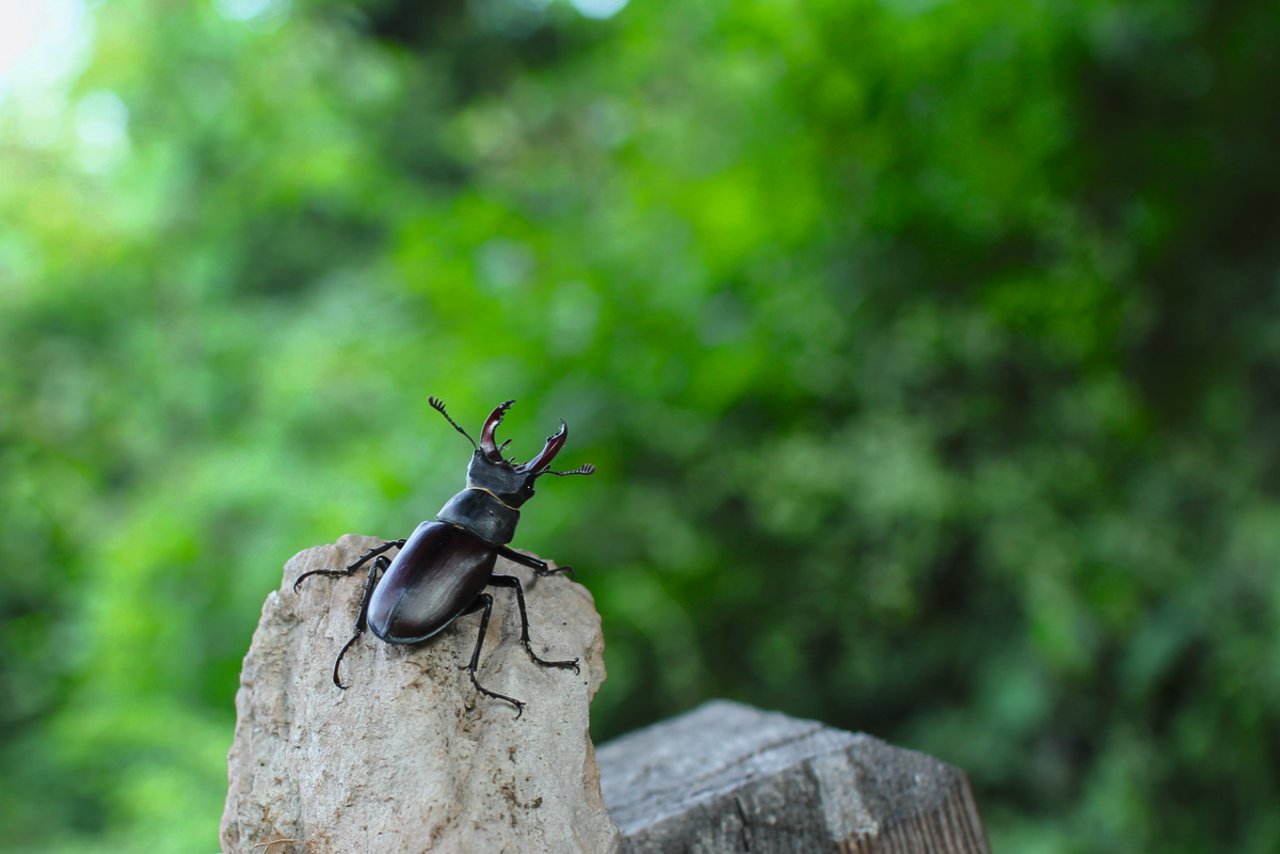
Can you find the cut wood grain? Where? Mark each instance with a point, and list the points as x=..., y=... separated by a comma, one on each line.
x=729, y=778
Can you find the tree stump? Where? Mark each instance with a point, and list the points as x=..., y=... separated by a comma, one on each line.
x=411, y=758
x=729, y=778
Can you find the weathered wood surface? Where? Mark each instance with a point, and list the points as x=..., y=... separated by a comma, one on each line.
x=410, y=758
x=729, y=778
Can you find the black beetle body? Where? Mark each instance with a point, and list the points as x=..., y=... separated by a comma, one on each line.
x=441, y=570
x=433, y=580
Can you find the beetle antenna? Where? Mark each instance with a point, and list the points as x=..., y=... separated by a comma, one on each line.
x=584, y=469
x=438, y=405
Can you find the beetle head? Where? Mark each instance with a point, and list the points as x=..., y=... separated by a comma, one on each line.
x=512, y=482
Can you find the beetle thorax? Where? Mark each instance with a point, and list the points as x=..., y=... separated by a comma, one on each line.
x=488, y=507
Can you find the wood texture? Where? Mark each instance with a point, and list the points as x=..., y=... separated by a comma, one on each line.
x=729, y=778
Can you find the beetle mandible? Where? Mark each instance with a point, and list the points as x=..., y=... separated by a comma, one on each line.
x=442, y=568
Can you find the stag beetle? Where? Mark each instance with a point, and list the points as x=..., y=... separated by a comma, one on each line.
x=442, y=568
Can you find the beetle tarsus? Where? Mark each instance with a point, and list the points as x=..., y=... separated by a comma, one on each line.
x=540, y=567
x=332, y=573
x=484, y=600
x=564, y=665
x=519, y=706
x=513, y=582
x=337, y=680
x=362, y=619
x=547, y=570
x=351, y=568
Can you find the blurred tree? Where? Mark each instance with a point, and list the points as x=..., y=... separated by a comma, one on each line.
x=927, y=351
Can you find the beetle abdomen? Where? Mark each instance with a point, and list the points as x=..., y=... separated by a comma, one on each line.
x=434, y=579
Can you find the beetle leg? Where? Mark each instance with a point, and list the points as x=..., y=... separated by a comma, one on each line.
x=362, y=619
x=484, y=600
x=512, y=581
x=539, y=566
x=335, y=573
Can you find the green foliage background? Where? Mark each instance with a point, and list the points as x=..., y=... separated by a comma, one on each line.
x=928, y=351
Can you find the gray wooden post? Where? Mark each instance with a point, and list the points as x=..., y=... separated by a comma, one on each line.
x=729, y=778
